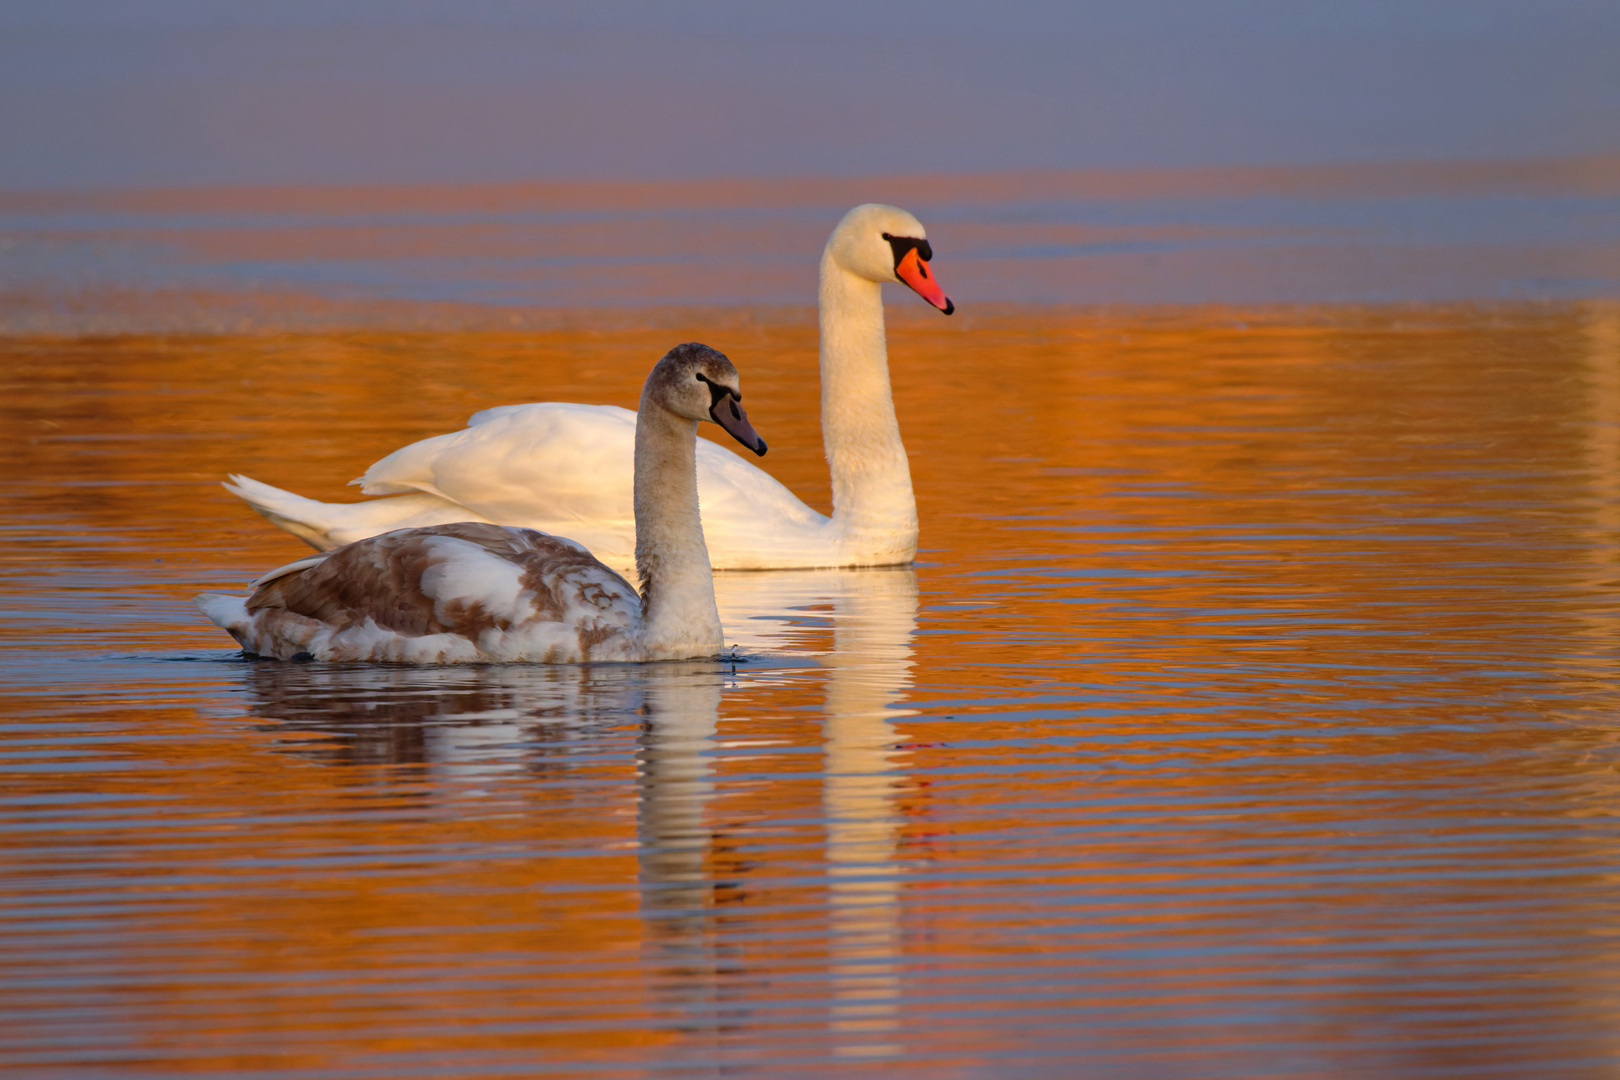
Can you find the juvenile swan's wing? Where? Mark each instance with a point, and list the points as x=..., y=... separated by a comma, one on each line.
x=451, y=593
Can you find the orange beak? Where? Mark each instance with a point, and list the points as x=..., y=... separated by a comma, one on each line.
x=913, y=270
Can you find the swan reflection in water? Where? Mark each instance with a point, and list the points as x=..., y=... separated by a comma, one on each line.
x=873, y=613
x=473, y=725
x=868, y=670
x=456, y=723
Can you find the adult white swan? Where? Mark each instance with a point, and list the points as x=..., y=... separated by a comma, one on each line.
x=473, y=592
x=566, y=468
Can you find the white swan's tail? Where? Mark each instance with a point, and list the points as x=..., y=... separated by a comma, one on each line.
x=324, y=526
x=304, y=518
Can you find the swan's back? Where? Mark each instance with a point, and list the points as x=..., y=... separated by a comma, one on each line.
x=466, y=592
x=567, y=469
x=496, y=463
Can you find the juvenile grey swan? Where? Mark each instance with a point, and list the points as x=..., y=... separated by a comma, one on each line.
x=473, y=592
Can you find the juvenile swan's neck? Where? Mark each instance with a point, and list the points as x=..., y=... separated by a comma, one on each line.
x=871, y=478
x=678, y=613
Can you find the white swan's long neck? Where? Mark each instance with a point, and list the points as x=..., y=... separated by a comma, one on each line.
x=871, y=478
x=678, y=614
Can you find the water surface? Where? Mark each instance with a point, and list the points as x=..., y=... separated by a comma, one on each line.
x=499, y=256
x=1250, y=712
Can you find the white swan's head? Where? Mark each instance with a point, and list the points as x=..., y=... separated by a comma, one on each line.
x=699, y=383
x=885, y=243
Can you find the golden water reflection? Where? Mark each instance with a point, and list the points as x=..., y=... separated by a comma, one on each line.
x=1251, y=708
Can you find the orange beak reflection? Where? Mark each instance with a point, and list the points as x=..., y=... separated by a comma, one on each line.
x=913, y=270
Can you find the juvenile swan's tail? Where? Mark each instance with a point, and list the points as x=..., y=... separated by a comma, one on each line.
x=227, y=612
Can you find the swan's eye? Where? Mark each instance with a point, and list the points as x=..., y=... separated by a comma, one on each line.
x=900, y=245
x=717, y=392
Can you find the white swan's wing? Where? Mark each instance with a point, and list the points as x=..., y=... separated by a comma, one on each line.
x=495, y=412
x=516, y=463
x=569, y=469
x=561, y=468
x=733, y=492
x=751, y=521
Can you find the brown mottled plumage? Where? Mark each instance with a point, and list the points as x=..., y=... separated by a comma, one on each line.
x=377, y=585
x=381, y=578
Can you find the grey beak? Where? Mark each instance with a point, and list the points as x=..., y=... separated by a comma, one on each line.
x=727, y=411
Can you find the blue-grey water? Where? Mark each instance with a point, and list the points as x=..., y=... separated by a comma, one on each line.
x=227, y=259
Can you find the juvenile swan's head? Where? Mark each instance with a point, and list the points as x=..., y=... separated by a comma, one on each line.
x=699, y=383
x=884, y=243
